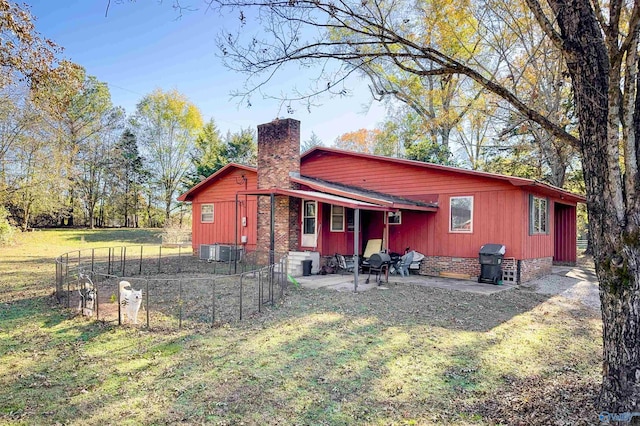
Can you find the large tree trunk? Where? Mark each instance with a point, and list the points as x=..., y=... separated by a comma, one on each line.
x=614, y=239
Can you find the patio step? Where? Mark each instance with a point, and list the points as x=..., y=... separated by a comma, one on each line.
x=295, y=259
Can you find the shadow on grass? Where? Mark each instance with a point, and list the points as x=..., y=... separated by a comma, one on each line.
x=406, y=355
x=331, y=367
x=35, y=311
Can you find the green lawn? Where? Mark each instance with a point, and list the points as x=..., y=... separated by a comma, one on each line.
x=407, y=355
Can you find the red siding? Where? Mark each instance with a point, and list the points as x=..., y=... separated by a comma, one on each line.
x=497, y=211
x=399, y=179
x=332, y=242
x=494, y=221
x=225, y=188
x=222, y=194
x=541, y=245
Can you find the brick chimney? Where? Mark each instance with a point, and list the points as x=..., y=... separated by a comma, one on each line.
x=278, y=156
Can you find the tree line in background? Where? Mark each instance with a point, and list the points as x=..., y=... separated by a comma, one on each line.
x=68, y=156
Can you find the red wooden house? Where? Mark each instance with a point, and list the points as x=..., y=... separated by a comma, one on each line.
x=330, y=201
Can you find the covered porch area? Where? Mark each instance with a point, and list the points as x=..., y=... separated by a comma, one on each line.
x=327, y=224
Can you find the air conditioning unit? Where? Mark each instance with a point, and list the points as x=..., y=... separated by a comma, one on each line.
x=220, y=252
x=228, y=253
x=207, y=251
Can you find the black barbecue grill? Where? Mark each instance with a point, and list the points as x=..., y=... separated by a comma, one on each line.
x=378, y=263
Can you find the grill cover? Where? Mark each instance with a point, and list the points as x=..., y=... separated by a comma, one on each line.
x=378, y=259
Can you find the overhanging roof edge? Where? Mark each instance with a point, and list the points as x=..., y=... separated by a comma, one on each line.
x=319, y=196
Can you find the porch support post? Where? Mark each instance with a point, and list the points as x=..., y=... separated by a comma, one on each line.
x=386, y=232
x=272, y=239
x=356, y=248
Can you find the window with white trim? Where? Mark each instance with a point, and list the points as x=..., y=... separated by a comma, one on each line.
x=206, y=213
x=461, y=214
x=337, y=218
x=538, y=216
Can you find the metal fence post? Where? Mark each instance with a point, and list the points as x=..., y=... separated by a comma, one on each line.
x=140, y=270
x=260, y=294
x=213, y=303
x=179, y=303
x=67, y=280
x=121, y=260
x=146, y=295
x=119, y=304
x=97, y=301
x=124, y=261
x=242, y=275
x=109, y=263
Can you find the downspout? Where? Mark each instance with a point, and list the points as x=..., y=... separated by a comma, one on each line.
x=235, y=248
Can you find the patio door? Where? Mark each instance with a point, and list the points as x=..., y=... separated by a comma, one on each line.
x=309, y=223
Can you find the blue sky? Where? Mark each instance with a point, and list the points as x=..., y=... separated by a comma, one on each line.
x=143, y=45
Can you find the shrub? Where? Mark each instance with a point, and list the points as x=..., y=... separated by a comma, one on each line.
x=7, y=231
x=175, y=233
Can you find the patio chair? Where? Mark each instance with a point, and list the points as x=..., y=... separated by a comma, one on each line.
x=405, y=262
x=344, y=263
x=417, y=258
x=397, y=263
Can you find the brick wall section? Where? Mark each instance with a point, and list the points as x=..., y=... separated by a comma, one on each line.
x=278, y=155
x=294, y=223
x=530, y=269
x=433, y=265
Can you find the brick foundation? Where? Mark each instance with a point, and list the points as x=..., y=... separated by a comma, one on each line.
x=434, y=265
x=530, y=269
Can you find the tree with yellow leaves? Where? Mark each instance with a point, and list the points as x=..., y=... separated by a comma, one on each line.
x=166, y=125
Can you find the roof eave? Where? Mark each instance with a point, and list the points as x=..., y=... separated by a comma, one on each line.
x=341, y=193
x=317, y=197
x=187, y=196
x=558, y=192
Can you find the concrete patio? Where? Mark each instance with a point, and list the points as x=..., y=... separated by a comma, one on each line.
x=340, y=282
